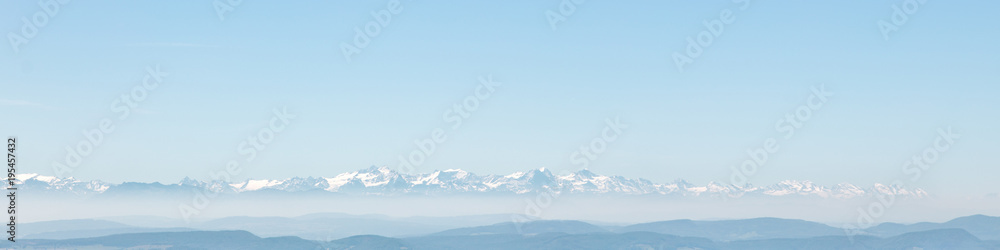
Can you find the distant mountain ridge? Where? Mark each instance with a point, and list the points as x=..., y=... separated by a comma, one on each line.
x=744, y=229
x=932, y=239
x=384, y=181
x=333, y=226
x=981, y=226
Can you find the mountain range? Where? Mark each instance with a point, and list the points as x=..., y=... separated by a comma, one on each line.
x=935, y=239
x=384, y=181
x=970, y=232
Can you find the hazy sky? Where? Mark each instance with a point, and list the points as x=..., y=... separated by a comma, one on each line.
x=606, y=60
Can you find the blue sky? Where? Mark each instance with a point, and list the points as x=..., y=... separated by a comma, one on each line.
x=606, y=60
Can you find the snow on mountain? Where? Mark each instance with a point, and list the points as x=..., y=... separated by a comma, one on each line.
x=36, y=182
x=253, y=185
x=373, y=180
x=385, y=181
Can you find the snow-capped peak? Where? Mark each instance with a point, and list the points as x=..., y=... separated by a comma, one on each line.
x=384, y=181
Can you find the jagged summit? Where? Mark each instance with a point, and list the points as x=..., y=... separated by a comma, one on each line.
x=382, y=180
